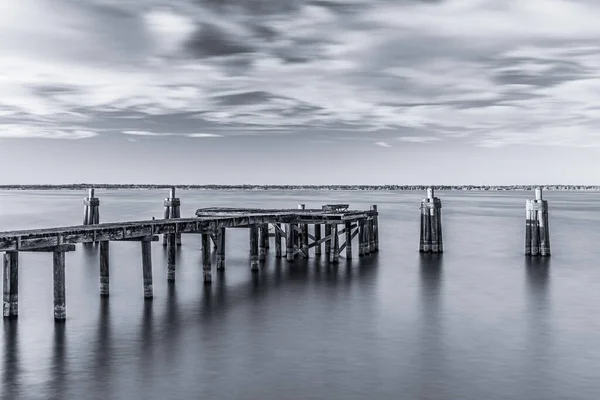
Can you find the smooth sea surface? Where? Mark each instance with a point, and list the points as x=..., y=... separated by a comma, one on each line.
x=480, y=322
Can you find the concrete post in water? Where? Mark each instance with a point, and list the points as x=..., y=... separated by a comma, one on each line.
x=172, y=210
x=348, y=240
x=91, y=209
x=147, y=268
x=58, y=267
x=537, y=230
x=221, y=248
x=171, y=245
x=361, y=238
x=375, y=229
x=262, y=241
x=254, y=248
x=304, y=238
x=206, y=258
x=277, y=240
x=289, y=241
x=300, y=235
x=431, y=224
x=10, y=307
x=317, y=238
x=367, y=238
x=104, y=268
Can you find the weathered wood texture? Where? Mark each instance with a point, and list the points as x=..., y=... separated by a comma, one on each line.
x=206, y=265
x=104, y=268
x=10, y=306
x=431, y=225
x=537, y=230
x=254, y=248
x=221, y=248
x=147, y=268
x=58, y=264
x=91, y=209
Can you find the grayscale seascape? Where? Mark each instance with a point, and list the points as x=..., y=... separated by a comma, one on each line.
x=481, y=321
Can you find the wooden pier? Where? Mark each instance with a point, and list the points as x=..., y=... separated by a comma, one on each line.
x=289, y=225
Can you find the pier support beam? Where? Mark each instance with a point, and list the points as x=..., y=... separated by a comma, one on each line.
x=335, y=244
x=361, y=238
x=537, y=231
x=304, y=239
x=277, y=240
x=206, y=266
x=431, y=224
x=263, y=239
x=10, y=307
x=147, y=268
x=327, y=241
x=253, y=248
x=375, y=229
x=348, y=240
x=317, y=238
x=104, y=268
x=172, y=210
x=91, y=209
x=58, y=264
x=289, y=242
x=171, y=245
x=221, y=248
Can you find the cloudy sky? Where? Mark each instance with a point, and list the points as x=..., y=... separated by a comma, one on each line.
x=300, y=91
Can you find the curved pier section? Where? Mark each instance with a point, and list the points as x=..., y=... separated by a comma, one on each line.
x=537, y=231
x=431, y=224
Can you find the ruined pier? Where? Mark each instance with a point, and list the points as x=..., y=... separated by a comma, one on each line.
x=290, y=226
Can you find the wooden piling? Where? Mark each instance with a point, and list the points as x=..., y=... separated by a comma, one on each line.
x=277, y=240
x=348, y=240
x=361, y=238
x=172, y=210
x=537, y=232
x=58, y=267
x=367, y=238
x=221, y=248
x=91, y=209
x=375, y=229
x=262, y=240
x=10, y=306
x=147, y=268
x=304, y=240
x=327, y=241
x=289, y=252
x=431, y=224
x=206, y=265
x=171, y=246
x=253, y=248
x=317, y=239
x=104, y=268
x=335, y=244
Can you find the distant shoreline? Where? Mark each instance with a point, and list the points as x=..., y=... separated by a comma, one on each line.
x=299, y=187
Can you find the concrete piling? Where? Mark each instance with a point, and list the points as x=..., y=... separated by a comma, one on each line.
x=91, y=209
x=172, y=210
x=10, y=306
x=104, y=268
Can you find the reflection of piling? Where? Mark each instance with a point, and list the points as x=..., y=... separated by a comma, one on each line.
x=537, y=231
x=172, y=210
x=91, y=209
x=431, y=224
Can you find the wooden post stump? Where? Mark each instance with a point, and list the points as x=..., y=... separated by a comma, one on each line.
x=206, y=265
x=147, y=268
x=537, y=230
x=104, y=268
x=91, y=209
x=172, y=210
x=221, y=248
x=10, y=306
x=431, y=224
x=254, y=248
x=317, y=238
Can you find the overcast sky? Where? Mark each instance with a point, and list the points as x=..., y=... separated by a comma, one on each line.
x=299, y=91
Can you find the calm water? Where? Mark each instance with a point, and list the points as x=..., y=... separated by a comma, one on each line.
x=481, y=322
